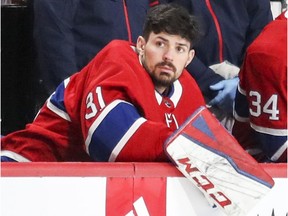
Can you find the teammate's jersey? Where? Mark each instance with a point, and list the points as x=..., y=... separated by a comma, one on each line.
x=109, y=111
x=262, y=91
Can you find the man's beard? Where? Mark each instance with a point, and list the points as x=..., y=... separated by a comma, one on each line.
x=163, y=79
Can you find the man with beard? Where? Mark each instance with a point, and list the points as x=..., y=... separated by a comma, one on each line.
x=124, y=104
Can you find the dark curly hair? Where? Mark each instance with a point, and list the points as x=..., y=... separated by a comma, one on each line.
x=172, y=19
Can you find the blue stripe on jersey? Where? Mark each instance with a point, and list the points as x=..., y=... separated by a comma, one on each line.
x=111, y=130
x=271, y=144
x=57, y=99
x=7, y=159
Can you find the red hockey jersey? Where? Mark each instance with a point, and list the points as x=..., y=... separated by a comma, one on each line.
x=109, y=111
x=261, y=99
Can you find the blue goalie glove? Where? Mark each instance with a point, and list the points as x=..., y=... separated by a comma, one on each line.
x=226, y=94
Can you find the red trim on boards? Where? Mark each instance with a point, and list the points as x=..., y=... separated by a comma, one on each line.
x=82, y=169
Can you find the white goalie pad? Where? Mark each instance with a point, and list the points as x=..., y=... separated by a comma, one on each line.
x=214, y=161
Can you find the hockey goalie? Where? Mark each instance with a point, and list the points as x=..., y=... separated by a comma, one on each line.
x=213, y=160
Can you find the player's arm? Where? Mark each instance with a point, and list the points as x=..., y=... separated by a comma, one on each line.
x=255, y=132
x=46, y=138
x=242, y=130
x=117, y=132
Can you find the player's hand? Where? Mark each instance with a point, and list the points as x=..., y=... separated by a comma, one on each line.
x=226, y=94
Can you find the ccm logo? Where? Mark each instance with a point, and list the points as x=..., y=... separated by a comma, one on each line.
x=203, y=182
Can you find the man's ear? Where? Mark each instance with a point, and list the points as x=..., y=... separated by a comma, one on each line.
x=191, y=55
x=140, y=45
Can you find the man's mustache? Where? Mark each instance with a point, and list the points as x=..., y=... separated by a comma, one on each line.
x=169, y=64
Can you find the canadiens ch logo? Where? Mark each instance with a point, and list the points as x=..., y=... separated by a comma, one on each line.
x=171, y=120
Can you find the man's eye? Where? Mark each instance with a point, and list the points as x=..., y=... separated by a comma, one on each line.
x=159, y=44
x=180, y=49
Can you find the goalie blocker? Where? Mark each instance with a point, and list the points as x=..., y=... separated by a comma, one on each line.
x=215, y=162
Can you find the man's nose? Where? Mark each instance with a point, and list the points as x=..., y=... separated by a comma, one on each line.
x=168, y=55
